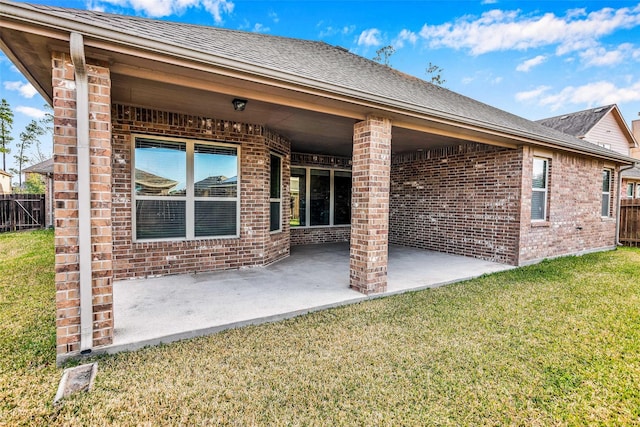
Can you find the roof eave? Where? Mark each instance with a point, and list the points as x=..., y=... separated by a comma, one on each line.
x=25, y=13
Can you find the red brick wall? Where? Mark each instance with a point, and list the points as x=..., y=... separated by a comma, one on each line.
x=370, y=205
x=316, y=235
x=575, y=224
x=255, y=246
x=277, y=246
x=66, y=206
x=463, y=200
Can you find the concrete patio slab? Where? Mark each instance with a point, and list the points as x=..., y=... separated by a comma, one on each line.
x=314, y=277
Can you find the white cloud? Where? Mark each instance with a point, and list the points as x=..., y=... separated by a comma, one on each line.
x=531, y=94
x=589, y=95
x=370, y=37
x=34, y=113
x=498, y=30
x=467, y=80
x=332, y=31
x=489, y=1
x=26, y=89
x=274, y=17
x=405, y=36
x=530, y=63
x=598, y=56
x=160, y=8
x=259, y=28
x=597, y=93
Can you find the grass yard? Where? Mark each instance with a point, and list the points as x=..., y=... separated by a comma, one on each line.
x=557, y=343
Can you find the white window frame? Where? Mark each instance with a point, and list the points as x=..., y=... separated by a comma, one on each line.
x=307, y=214
x=189, y=198
x=544, y=190
x=631, y=186
x=608, y=193
x=637, y=196
x=276, y=199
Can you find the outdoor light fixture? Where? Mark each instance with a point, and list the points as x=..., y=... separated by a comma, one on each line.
x=239, y=104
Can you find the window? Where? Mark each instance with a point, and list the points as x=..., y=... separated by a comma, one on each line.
x=342, y=199
x=638, y=191
x=185, y=189
x=275, y=210
x=630, y=188
x=298, y=197
x=539, y=189
x=320, y=197
x=606, y=192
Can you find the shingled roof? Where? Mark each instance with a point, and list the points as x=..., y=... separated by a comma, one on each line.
x=579, y=123
x=309, y=64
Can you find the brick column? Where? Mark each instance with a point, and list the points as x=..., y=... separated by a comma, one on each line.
x=370, y=205
x=65, y=168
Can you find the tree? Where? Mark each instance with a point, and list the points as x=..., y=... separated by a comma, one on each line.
x=383, y=54
x=34, y=184
x=46, y=123
x=6, y=124
x=436, y=74
x=27, y=138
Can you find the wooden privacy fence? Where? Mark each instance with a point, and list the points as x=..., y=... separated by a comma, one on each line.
x=630, y=222
x=21, y=212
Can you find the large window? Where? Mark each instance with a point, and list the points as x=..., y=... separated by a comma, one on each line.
x=539, y=189
x=185, y=189
x=630, y=188
x=326, y=193
x=606, y=192
x=275, y=194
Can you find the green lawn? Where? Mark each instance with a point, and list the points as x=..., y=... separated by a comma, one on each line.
x=557, y=343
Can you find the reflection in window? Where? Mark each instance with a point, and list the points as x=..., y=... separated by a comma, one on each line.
x=606, y=192
x=298, y=197
x=320, y=196
x=539, y=189
x=161, y=168
x=173, y=178
x=215, y=171
x=275, y=191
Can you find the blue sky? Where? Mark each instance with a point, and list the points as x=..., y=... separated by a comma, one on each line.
x=535, y=59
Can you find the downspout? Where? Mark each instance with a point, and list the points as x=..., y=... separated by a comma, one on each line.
x=622, y=169
x=50, y=201
x=76, y=45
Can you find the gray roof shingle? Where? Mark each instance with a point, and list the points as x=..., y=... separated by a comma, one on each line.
x=632, y=173
x=314, y=64
x=579, y=123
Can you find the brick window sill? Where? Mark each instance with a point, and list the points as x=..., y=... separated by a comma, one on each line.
x=540, y=224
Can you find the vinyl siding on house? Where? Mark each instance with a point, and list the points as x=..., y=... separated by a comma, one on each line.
x=608, y=132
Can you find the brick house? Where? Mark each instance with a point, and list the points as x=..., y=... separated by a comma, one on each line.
x=605, y=126
x=245, y=144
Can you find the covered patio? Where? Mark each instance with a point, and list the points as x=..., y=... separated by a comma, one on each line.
x=313, y=278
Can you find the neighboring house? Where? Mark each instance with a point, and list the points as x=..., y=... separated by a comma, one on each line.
x=5, y=182
x=44, y=169
x=631, y=177
x=323, y=145
x=605, y=126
